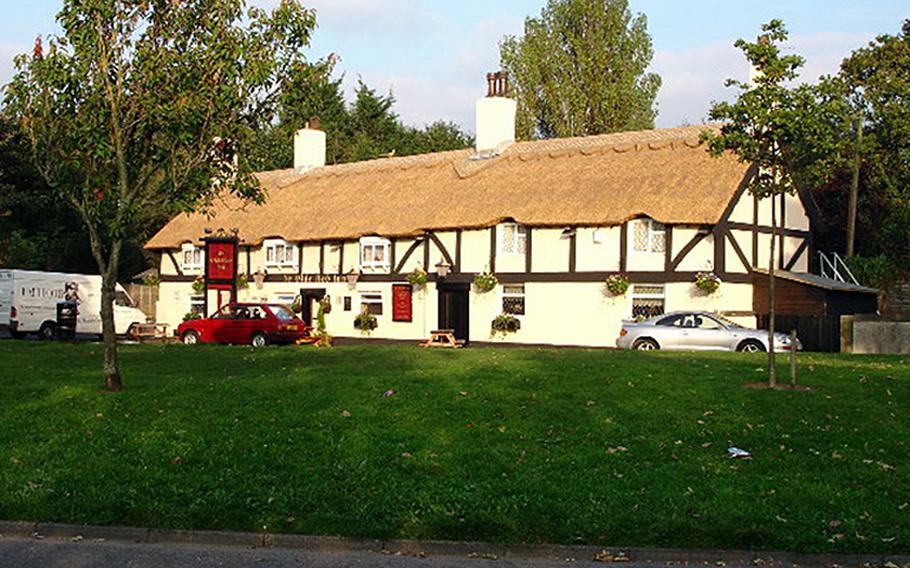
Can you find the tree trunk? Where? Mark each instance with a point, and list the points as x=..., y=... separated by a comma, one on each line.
x=854, y=190
x=112, y=380
x=772, y=363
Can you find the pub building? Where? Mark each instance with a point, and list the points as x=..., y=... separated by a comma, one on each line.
x=550, y=219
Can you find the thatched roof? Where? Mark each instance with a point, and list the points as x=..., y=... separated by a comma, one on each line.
x=595, y=180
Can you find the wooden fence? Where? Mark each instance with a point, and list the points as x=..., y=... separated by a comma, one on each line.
x=816, y=333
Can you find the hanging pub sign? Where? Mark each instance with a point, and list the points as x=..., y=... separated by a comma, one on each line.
x=221, y=263
x=401, y=302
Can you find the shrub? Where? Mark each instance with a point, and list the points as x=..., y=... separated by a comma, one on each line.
x=191, y=316
x=876, y=271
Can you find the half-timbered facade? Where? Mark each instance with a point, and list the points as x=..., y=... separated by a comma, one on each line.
x=550, y=219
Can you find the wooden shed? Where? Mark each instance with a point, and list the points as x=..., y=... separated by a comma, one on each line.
x=812, y=305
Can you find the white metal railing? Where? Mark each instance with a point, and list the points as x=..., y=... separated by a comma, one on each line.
x=835, y=268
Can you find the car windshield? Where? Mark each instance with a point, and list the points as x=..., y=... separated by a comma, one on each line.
x=281, y=312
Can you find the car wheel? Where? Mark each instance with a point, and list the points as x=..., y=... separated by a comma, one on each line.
x=48, y=331
x=259, y=340
x=645, y=345
x=751, y=346
x=190, y=338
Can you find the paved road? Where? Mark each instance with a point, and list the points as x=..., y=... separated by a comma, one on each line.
x=50, y=553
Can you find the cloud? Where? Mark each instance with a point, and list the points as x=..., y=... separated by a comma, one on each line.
x=693, y=78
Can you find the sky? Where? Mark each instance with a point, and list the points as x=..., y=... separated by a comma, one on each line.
x=434, y=54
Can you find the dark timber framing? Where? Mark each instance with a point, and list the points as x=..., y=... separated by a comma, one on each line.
x=393, y=244
x=442, y=249
x=573, y=249
x=177, y=266
x=407, y=255
x=426, y=252
x=321, y=257
x=528, y=253
x=668, y=248
x=457, y=267
x=341, y=257
x=797, y=254
x=299, y=258
x=623, y=247
x=493, y=249
x=739, y=252
x=693, y=242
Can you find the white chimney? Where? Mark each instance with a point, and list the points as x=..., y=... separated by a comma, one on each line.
x=309, y=147
x=495, y=116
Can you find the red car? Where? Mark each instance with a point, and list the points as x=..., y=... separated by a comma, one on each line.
x=251, y=324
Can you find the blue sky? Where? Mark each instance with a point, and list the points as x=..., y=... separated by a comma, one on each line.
x=434, y=53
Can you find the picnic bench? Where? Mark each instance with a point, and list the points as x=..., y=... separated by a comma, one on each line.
x=148, y=332
x=443, y=338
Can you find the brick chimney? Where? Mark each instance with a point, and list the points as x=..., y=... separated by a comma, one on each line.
x=495, y=115
x=309, y=147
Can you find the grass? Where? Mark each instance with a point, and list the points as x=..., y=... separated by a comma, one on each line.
x=558, y=446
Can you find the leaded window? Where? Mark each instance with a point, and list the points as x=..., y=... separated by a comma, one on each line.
x=649, y=236
x=513, y=239
x=513, y=299
x=648, y=301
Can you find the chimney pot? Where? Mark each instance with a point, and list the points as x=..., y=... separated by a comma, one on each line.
x=309, y=147
x=495, y=115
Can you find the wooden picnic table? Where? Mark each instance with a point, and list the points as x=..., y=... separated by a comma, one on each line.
x=443, y=338
x=149, y=332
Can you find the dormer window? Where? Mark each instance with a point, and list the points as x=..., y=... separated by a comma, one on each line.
x=375, y=254
x=513, y=239
x=650, y=236
x=279, y=253
x=191, y=257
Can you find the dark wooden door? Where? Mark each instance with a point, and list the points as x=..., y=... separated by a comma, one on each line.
x=307, y=297
x=454, y=303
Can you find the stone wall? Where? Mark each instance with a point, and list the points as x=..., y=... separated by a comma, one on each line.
x=897, y=299
x=868, y=334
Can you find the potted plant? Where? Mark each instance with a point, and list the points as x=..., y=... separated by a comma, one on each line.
x=485, y=281
x=325, y=338
x=617, y=284
x=366, y=322
x=707, y=282
x=418, y=277
x=152, y=280
x=505, y=323
x=199, y=285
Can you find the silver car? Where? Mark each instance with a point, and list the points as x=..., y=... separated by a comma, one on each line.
x=697, y=331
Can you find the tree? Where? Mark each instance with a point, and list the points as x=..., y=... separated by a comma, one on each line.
x=760, y=128
x=877, y=77
x=581, y=69
x=149, y=103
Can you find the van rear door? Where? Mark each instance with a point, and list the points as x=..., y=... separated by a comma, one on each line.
x=6, y=296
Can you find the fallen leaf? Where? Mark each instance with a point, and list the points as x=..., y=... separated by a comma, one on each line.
x=176, y=461
x=406, y=455
x=345, y=414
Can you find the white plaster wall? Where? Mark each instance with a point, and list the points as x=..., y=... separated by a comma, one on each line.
x=744, y=240
x=549, y=252
x=699, y=258
x=742, y=213
x=475, y=251
x=796, y=217
x=597, y=257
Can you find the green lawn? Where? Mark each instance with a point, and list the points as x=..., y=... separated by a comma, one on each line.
x=558, y=446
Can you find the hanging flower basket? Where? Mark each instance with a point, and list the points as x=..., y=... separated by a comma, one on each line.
x=199, y=285
x=418, y=277
x=707, y=282
x=485, y=281
x=505, y=323
x=326, y=304
x=617, y=284
x=243, y=282
x=192, y=316
x=297, y=304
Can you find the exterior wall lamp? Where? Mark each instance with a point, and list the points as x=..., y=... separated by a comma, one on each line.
x=353, y=276
x=443, y=269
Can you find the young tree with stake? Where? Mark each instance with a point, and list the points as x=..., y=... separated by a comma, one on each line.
x=149, y=103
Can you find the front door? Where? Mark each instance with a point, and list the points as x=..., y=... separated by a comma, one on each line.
x=454, y=302
x=307, y=297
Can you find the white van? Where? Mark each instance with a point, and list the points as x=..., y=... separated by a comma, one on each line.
x=28, y=303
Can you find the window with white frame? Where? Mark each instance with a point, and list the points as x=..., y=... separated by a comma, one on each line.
x=513, y=238
x=191, y=257
x=648, y=300
x=197, y=304
x=650, y=236
x=375, y=254
x=513, y=299
x=371, y=303
x=279, y=253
